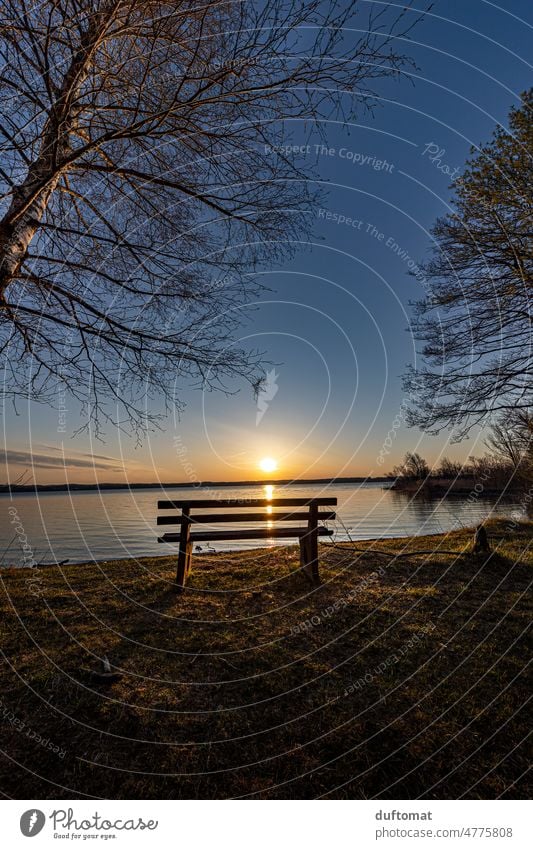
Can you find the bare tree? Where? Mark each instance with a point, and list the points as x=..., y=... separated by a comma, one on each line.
x=511, y=442
x=449, y=468
x=143, y=180
x=490, y=473
x=475, y=323
x=413, y=466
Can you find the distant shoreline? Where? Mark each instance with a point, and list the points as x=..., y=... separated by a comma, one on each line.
x=6, y=489
x=448, y=487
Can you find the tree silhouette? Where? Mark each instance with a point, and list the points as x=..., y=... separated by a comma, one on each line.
x=413, y=466
x=475, y=322
x=143, y=181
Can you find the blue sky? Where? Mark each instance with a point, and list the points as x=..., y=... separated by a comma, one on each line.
x=335, y=321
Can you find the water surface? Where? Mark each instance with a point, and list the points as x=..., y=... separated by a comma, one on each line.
x=81, y=526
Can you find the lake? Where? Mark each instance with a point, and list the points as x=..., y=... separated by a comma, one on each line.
x=81, y=526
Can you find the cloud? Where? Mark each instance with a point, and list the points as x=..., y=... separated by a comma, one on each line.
x=115, y=460
x=49, y=461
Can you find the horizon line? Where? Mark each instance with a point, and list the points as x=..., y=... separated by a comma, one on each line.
x=65, y=487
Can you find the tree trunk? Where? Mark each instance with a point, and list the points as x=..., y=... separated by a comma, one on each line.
x=30, y=199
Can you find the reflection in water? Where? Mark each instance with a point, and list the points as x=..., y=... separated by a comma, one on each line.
x=121, y=523
x=269, y=490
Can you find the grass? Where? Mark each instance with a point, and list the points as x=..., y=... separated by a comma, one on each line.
x=393, y=679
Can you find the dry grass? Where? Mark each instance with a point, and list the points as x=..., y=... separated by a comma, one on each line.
x=410, y=683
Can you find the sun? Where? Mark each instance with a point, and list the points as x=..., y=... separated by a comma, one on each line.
x=268, y=464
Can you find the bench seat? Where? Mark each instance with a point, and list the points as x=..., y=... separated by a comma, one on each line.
x=246, y=533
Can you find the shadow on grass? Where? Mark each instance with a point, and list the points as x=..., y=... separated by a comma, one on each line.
x=399, y=682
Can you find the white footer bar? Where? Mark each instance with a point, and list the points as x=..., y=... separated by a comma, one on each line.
x=256, y=824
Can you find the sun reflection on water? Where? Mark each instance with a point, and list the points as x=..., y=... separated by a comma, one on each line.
x=269, y=490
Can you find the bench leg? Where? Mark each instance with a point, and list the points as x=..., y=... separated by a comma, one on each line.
x=184, y=565
x=309, y=559
x=184, y=555
x=313, y=543
x=303, y=555
x=188, y=558
x=181, y=573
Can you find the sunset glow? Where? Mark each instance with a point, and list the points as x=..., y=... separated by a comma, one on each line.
x=268, y=464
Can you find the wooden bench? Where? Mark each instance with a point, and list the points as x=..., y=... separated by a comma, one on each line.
x=306, y=531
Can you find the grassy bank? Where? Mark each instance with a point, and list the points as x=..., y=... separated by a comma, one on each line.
x=397, y=678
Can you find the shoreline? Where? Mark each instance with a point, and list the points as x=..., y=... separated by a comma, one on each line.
x=249, y=551
x=450, y=487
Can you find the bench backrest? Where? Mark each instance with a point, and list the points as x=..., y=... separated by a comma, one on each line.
x=312, y=513
x=308, y=529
